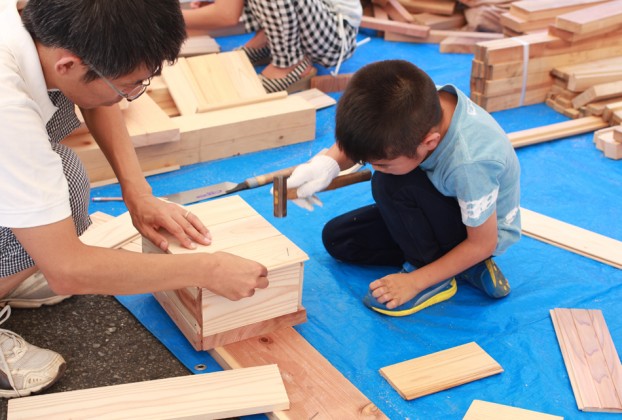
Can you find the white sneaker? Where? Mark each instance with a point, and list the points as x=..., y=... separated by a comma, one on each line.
x=25, y=368
x=32, y=293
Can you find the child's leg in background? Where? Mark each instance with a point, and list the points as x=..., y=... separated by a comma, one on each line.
x=298, y=29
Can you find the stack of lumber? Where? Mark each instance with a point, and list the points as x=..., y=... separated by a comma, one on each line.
x=529, y=16
x=516, y=71
x=420, y=21
x=586, y=88
x=609, y=141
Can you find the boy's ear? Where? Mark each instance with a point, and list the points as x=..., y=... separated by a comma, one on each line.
x=431, y=140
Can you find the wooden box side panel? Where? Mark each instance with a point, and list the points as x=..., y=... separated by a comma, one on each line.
x=187, y=324
x=280, y=298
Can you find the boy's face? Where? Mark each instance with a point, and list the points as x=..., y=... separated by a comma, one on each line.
x=401, y=165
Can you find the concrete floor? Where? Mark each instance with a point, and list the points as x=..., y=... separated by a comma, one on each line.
x=101, y=341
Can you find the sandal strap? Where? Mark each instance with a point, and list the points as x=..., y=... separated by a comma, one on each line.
x=278, y=85
x=257, y=56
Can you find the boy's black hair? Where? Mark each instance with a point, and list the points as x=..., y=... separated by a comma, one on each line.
x=115, y=37
x=386, y=110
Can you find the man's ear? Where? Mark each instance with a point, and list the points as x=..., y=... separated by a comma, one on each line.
x=67, y=63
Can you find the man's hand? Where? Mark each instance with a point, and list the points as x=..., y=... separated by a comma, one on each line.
x=150, y=214
x=235, y=277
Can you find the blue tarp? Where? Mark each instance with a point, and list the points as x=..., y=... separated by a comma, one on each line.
x=568, y=179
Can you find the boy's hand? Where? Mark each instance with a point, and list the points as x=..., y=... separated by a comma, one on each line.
x=313, y=176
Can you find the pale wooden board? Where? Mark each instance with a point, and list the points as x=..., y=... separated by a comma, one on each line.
x=483, y=410
x=224, y=394
x=198, y=45
x=572, y=238
x=441, y=370
x=148, y=124
x=556, y=131
x=316, y=389
x=112, y=234
x=280, y=298
x=590, y=357
x=316, y=97
x=592, y=18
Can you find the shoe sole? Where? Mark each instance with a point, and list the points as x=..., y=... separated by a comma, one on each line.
x=5, y=393
x=33, y=303
x=440, y=297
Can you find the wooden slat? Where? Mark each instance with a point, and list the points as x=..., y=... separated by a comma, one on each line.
x=441, y=370
x=224, y=394
x=483, y=410
x=315, y=388
x=580, y=333
x=572, y=238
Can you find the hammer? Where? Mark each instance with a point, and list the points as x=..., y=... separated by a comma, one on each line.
x=281, y=194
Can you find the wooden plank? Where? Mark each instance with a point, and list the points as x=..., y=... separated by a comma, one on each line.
x=397, y=12
x=598, y=93
x=223, y=394
x=316, y=97
x=316, y=389
x=397, y=27
x=600, y=375
x=556, y=131
x=439, y=7
x=112, y=234
x=441, y=370
x=147, y=124
x=483, y=410
x=572, y=238
x=182, y=87
x=592, y=19
x=580, y=345
x=329, y=83
x=542, y=9
x=199, y=45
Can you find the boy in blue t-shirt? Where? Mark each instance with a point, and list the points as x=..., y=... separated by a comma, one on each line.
x=446, y=186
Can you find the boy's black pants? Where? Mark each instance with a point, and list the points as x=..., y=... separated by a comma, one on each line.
x=411, y=221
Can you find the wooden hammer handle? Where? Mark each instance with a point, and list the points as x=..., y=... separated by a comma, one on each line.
x=340, y=181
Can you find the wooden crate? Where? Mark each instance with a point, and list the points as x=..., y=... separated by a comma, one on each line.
x=208, y=320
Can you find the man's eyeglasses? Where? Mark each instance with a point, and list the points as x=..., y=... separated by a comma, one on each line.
x=132, y=94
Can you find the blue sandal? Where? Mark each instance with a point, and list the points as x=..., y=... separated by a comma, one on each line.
x=432, y=295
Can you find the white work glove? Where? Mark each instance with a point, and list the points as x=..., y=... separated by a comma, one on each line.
x=311, y=177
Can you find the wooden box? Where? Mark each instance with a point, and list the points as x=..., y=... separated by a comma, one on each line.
x=210, y=321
